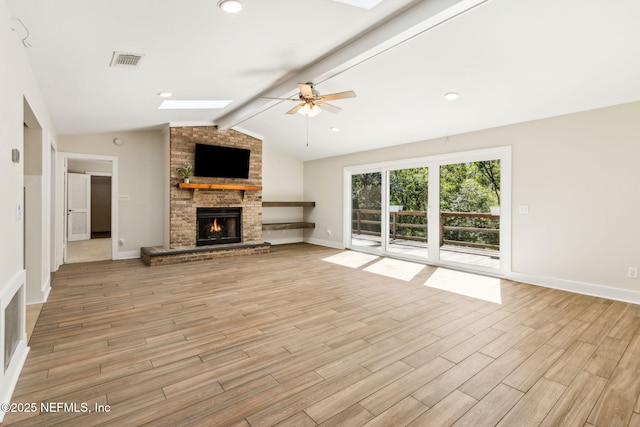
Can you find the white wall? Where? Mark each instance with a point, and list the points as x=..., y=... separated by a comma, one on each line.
x=140, y=183
x=37, y=237
x=578, y=173
x=18, y=87
x=282, y=181
x=166, y=179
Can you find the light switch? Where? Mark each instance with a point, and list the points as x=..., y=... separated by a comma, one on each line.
x=18, y=211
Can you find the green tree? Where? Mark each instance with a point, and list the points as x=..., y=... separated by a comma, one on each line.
x=489, y=176
x=470, y=187
x=366, y=193
x=366, y=190
x=408, y=188
x=464, y=187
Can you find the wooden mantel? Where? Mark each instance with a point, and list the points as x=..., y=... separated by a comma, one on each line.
x=241, y=187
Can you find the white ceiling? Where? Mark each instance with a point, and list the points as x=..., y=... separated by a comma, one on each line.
x=510, y=61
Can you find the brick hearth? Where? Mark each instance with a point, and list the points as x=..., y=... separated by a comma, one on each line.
x=153, y=256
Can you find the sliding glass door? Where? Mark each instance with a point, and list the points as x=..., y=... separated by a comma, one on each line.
x=366, y=211
x=470, y=213
x=407, y=212
x=443, y=210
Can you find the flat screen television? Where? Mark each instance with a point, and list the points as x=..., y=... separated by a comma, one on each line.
x=221, y=162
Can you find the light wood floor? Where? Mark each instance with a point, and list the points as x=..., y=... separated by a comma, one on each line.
x=290, y=339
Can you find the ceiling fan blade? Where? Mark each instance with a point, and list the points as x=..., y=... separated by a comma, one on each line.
x=328, y=107
x=306, y=90
x=339, y=95
x=295, y=109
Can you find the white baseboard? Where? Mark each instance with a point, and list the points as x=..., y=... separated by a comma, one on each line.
x=327, y=243
x=287, y=241
x=47, y=290
x=41, y=296
x=128, y=255
x=591, y=289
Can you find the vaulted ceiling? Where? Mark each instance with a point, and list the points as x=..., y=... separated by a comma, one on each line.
x=509, y=61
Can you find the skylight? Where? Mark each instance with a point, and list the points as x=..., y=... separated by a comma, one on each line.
x=364, y=4
x=172, y=104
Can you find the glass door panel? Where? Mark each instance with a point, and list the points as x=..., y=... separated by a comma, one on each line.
x=366, y=204
x=470, y=213
x=408, y=201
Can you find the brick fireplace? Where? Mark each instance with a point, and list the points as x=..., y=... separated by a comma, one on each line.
x=184, y=203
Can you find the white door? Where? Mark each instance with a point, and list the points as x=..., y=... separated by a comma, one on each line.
x=78, y=207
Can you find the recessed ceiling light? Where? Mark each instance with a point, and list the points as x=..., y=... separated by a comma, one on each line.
x=192, y=105
x=165, y=94
x=230, y=6
x=335, y=129
x=451, y=95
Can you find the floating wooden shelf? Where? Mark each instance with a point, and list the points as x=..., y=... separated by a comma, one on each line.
x=241, y=187
x=287, y=225
x=288, y=204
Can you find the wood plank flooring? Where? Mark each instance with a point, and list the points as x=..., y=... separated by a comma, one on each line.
x=290, y=339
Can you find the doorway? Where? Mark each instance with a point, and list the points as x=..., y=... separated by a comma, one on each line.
x=449, y=210
x=90, y=215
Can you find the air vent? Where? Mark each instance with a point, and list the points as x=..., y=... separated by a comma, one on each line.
x=126, y=60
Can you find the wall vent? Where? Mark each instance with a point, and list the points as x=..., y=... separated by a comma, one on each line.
x=126, y=60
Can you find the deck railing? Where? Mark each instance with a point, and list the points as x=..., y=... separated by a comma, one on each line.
x=362, y=217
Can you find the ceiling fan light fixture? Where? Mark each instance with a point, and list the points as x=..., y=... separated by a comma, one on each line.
x=315, y=110
x=310, y=109
x=230, y=6
x=304, y=110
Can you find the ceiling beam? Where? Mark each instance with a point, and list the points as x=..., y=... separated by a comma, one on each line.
x=407, y=24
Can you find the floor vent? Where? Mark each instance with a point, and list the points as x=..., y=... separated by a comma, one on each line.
x=126, y=60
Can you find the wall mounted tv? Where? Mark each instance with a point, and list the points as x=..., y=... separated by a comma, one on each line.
x=221, y=162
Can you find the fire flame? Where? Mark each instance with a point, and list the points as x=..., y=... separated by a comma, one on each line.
x=215, y=226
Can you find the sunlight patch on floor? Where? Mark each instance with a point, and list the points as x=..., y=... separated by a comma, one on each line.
x=472, y=285
x=351, y=259
x=395, y=268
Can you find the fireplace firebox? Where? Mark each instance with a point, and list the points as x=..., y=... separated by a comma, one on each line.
x=218, y=226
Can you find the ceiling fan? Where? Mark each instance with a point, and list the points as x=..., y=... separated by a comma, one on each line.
x=313, y=103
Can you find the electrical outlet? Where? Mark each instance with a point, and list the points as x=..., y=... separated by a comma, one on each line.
x=523, y=209
x=633, y=272
x=121, y=242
